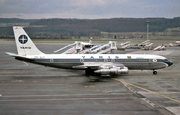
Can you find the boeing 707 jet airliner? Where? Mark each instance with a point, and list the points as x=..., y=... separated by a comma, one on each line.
x=93, y=64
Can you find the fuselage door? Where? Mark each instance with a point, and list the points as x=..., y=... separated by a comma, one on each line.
x=150, y=61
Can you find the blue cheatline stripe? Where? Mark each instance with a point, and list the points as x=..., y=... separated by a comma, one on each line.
x=94, y=60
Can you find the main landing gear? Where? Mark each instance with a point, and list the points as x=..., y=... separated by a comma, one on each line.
x=154, y=72
x=91, y=75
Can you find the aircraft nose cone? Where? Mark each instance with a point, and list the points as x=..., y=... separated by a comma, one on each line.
x=170, y=63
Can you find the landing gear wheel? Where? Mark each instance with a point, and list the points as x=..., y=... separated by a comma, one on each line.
x=155, y=72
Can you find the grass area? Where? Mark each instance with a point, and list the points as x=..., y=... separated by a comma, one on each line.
x=168, y=32
x=13, y=24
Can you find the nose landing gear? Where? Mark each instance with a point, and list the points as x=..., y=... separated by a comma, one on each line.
x=154, y=72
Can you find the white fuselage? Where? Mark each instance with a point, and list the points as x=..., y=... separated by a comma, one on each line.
x=132, y=61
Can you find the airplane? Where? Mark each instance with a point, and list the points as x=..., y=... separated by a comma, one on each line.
x=88, y=44
x=93, y=64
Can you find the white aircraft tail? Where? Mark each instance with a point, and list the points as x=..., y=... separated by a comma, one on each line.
x=90, y=40
x=24, y=44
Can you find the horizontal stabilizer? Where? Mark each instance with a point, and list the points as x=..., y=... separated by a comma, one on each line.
x=12, y=54
x=18, y=57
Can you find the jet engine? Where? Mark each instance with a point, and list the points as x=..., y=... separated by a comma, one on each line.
x=116, y=70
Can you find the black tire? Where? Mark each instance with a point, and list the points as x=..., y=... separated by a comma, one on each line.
x=155, y=72
x=89, y=71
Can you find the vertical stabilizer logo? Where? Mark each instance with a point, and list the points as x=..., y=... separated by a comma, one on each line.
x=23, y=39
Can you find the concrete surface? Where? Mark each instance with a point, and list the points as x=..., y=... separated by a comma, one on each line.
x=33, y=89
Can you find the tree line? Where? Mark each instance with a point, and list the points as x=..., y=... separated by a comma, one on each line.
x=85, y=27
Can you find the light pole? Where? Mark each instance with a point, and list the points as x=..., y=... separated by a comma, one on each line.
x=148, y=29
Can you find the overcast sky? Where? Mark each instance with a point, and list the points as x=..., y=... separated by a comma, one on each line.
x=89, y=9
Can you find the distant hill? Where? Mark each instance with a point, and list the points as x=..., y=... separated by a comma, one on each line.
x=111, y=25
x=85, y=27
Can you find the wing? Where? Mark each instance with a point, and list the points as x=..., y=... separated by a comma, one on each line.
x=104, y=68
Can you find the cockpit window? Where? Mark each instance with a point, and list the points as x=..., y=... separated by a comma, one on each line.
x=165, y=60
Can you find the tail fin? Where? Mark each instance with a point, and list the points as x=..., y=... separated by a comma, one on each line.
x=24, y=44
x=90, y=40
